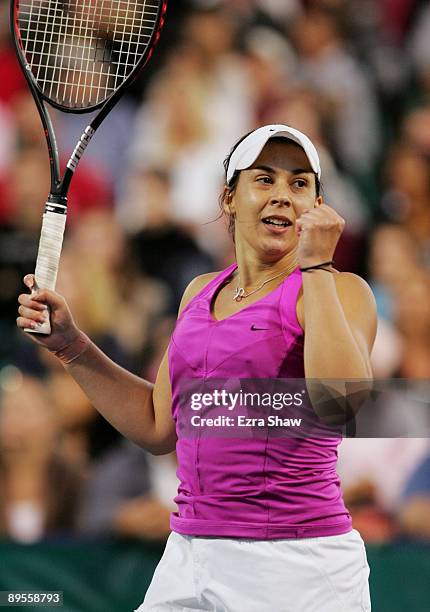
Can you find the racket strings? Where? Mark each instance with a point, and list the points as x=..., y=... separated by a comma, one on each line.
x=80, y=52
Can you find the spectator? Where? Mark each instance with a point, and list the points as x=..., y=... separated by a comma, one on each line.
x=164, y=248
x=104, y=286
x=39, y=488
x=191, y=130
x=373, y=472
x=109, y=151
x=394, y=257
x=413, y=321
x=344, y=86
x=129, y=493
x=407, y=195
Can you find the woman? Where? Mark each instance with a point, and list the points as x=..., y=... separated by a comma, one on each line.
x=261, y=523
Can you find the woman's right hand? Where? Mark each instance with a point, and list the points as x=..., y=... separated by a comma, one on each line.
x=33, y=309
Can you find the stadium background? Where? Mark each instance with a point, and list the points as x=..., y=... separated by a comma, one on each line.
x=80, y=509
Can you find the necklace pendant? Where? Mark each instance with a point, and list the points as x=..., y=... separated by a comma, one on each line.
x=238, y=294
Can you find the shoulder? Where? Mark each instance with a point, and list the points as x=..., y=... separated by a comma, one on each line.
x=195, y=286
x=351, y=287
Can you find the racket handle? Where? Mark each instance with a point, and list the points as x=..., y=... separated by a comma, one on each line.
x=48, y=256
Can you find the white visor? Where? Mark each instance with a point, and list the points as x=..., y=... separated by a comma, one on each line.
x=250, y=148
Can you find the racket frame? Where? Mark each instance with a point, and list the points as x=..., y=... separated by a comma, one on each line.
x=60, y=185
x=56, y=205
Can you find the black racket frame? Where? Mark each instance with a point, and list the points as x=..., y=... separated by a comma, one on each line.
x=60, y=185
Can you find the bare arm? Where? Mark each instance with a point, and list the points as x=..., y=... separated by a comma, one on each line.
x=124, y=399
x=138, y=409
x=339, y=317
x=338, y=313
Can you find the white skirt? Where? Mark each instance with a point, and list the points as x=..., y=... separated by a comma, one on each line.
x=325, y=574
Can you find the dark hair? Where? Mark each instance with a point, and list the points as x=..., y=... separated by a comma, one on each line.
x=231, y=185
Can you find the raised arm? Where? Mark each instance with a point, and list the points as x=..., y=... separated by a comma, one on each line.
x=338, y=313
x=138, y=409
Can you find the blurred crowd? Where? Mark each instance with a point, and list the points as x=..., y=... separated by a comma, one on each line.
x=145, y=219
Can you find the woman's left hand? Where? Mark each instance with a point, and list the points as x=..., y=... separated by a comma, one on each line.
x=318, y=230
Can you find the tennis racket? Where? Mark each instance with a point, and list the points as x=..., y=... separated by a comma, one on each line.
x=78, y=56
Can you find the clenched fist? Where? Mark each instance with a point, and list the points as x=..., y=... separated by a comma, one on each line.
x=318, y=230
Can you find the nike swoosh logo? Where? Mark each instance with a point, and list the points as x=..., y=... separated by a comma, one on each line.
x=254, y=328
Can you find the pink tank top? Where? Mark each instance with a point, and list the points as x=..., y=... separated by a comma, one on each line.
x=263, y=488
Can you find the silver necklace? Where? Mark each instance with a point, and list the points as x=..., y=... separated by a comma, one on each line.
x=239, y=292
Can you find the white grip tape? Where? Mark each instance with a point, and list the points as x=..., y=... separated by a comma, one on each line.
x=48, y=258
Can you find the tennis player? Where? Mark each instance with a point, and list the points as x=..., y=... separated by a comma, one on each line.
x=261, y=524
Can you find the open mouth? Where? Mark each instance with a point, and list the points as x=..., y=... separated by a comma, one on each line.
x=277, y=221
